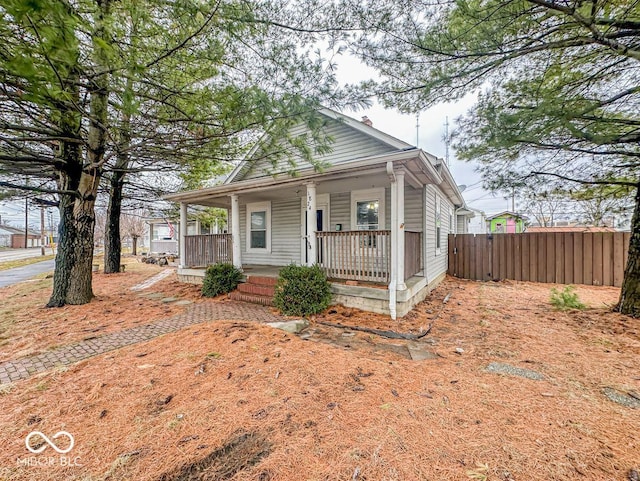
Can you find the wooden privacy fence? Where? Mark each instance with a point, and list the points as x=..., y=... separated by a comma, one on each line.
x=204, y=250
x=597, y=258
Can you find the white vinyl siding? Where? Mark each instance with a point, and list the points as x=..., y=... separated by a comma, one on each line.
x=435, y=259
x=348, y=144
x=340, y=213
x=285, y=235
x=413, y=211
x=462, y=225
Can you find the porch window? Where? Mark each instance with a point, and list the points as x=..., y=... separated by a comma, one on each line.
x=259, y=227
x=367, y=209
x=367, y=213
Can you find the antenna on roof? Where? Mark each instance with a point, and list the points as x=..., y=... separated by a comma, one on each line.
x=417, y=129
x=447, y=141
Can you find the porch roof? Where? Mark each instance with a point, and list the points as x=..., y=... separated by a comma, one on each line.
x=417, y=164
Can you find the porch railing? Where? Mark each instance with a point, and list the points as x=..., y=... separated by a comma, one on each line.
x=166, y=246
x=204, y=250
x=412, y=253
x=362, y=255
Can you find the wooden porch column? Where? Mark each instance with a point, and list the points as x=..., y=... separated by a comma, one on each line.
x=182, y=253
x=399, y=228
x=311, y=223
x=235, y=231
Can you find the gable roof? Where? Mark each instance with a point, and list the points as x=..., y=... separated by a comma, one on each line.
x=16, y=230
x=349, y=133
x=506, y=213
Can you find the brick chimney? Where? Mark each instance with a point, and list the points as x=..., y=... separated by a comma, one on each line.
x=367, y=121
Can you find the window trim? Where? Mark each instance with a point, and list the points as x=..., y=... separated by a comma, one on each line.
x=364, y=195
x=259, y=207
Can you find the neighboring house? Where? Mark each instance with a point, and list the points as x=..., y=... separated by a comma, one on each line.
x=378, y=214
x=575, y=228
x=163, y=234
x=14, y=237
x=505, y=223
x=470, y=221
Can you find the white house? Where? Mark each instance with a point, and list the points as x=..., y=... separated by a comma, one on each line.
x=378, y=214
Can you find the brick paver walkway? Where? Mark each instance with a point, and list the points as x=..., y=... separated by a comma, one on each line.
x=202, y=312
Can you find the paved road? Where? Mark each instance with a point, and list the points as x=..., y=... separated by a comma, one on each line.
x=19, y=274
x=17, y=254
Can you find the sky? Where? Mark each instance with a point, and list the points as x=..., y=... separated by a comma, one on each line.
x=430, y=134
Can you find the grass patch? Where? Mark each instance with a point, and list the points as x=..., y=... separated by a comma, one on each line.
x=566, y=299
x=24, y=262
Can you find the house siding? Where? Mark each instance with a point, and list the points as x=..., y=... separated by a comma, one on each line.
x=340, y=210
x=285, y=235
x=348, y=144
x=462, y=225
x=436, y=263
x=413, y=211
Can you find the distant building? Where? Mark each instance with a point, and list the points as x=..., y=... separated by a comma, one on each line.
x=575, y=228
x=14, y=237
x=505, y=223
x=471, y=221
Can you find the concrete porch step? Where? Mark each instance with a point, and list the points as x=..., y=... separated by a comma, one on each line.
x=256, y=289
x=253, y=298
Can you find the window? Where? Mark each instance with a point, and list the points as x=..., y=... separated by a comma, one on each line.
x=367, y=213
x=259, y=227
x=367, y=209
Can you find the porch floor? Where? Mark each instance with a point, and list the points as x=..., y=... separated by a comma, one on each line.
x=261, y=271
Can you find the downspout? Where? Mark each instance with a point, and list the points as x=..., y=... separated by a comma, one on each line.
x=393, y=281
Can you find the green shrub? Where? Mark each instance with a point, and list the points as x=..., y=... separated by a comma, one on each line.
x=302, y=290
x=566, y=299
x=220, y=279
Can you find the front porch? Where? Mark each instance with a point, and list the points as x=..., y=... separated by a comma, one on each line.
x=366, y=296
x=363, y=255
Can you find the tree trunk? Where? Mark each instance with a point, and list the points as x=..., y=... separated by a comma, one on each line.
x=629, y=302
x=112, y=240
x=69, y=172
x=134, y=245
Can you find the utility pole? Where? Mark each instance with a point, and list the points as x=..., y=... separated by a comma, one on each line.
x=417, y=129
x=26, y=221
x=42, y=236
x=447, y=140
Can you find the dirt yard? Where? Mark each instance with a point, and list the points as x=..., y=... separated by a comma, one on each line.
x=243, y=401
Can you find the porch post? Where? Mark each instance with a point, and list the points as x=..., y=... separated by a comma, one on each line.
x=235, y=231
x=399, y=228
x=182, y=253
x=311, y=223
x=393, y=267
